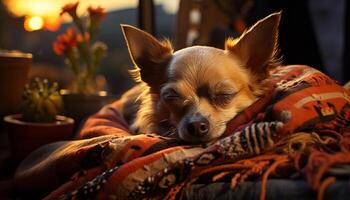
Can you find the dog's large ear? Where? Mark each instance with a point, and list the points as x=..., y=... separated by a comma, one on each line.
x=149, y=55
x=256, y=48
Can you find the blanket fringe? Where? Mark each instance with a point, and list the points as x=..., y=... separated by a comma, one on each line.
x=280, y=160
x=324, y=185
x=288, y=153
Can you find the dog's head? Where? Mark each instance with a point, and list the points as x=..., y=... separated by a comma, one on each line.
x=201, y=88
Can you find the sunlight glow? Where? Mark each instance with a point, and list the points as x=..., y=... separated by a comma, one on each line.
x=33, y=23
x=46, y=8
x=52, y=23
x=49, y=10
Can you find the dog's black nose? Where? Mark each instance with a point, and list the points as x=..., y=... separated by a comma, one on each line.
x=198, y=127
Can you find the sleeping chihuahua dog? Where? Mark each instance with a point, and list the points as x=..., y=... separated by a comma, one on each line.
x=192, y=93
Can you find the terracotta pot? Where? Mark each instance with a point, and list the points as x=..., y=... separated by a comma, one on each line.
x=25, y=137
x=79, y=106
x=14, y=68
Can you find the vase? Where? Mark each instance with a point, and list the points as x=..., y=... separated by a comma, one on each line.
x=25, y=137
x=14, y=68
x=79, y=106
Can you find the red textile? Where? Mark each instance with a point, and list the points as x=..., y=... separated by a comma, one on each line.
x=108, y=121
x=304, y=107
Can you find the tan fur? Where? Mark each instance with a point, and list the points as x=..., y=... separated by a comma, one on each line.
x=199, y=81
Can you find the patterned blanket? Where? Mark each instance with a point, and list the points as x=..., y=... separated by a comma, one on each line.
x=301, y=126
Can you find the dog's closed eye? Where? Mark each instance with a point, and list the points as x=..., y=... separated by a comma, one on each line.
x=170, y=94
x=223, y=93
x=223, y=99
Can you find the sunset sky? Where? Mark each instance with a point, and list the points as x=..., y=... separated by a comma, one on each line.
x=51, y=8
x=45, y=13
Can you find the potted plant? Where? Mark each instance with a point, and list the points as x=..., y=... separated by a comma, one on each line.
x=39, y=122
x=83, y=54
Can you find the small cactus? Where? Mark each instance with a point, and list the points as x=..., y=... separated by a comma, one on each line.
x=41, y=101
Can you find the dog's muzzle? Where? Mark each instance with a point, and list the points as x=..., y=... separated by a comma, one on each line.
x=198, y=126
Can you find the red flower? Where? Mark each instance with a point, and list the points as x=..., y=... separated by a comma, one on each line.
x=85, y=37
x=70, y=8
x=65, y=42
x=97, y=14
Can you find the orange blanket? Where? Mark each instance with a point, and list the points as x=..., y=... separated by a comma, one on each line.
x=300, y=126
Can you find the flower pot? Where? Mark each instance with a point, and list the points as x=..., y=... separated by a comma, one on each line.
x=79, y=106
x=25, y=137
x=14, y=68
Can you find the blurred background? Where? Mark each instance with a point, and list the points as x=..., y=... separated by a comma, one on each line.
x=33, y=25
x=313, y=32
